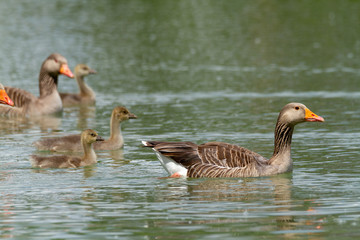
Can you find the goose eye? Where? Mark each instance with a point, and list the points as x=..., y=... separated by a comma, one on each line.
x=297, y=108
x=55, y=60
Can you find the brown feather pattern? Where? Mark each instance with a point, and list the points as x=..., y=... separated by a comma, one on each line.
x=47, y=83
x=57, y=161
x=213, y=159
x=20, y=97
x=283, y=134
x=217, y=159
x=49, y=101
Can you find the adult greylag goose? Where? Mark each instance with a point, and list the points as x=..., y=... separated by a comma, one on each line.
x=49, y=100
x=86, y=95
x=217, y=159
x=88, y=137
x=72, y=142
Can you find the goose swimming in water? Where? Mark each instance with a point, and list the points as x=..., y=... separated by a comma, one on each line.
x=49, y=101
x=217, y=159
x=71, y=143
x=86, y=95
x=88, y=137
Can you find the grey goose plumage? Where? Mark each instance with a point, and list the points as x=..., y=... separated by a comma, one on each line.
x=49, y=101
x=88, y=137
x=86, y=96
x=71, y=143
x=217, y=159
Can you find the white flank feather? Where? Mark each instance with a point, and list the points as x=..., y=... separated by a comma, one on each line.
x=170, y=165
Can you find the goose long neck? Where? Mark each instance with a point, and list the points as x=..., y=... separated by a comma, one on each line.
x=115, y=130
x=89, y=153
x=47, y=83
x=282, y=142
x=85, y=90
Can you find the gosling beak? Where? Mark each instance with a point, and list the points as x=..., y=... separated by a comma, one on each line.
x=312, y=117
x=132, y=116
x=92, y=71
x=98, y=138
x=65, y=70
x=4, y=98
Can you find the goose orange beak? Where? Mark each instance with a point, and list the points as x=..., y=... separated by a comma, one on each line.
x=65, y=70
x=4, y=98
x=312, y=117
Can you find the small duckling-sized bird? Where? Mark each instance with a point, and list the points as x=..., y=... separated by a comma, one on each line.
x=217, y=159
x=88, y=137
x=86, y=95
x=71, y=143
x=49, y=101
x=4, y=98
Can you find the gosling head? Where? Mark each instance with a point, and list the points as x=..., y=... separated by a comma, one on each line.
x=122, y=114
x=90, y=136
x=294, y=113
x=83, y=70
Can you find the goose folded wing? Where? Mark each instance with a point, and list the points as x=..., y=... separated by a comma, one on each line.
x=212, y=154
x=20, y=97
x=59, y=143
x=226, y=160
x=184, y=153
x=228, y=155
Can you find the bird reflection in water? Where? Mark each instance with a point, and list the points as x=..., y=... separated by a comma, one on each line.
x=268, y=199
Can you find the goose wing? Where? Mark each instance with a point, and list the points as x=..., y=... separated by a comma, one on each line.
x=227, y=155
x=213, y=159
x=20, y=97
x=226, y=160
x=59, y=144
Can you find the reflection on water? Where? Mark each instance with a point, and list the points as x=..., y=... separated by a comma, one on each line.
x=18, y=124
x=7, y=214
x=191, y=70
x=84, y=115
x=117, y=155
x=239, y=204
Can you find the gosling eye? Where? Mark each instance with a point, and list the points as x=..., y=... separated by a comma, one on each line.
x=297, y=108
x=93, y=135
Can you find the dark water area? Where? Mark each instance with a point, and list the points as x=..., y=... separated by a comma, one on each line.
x=191, y=71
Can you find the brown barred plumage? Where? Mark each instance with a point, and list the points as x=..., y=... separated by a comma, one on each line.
x=218, y=159
x=20, y=97
x=49, y=100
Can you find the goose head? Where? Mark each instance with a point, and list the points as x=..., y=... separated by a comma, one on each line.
x=4, y=98
x=122, y=114
x=83, y=70
x=294, y=113
x=56, y=64
x=89, y=136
